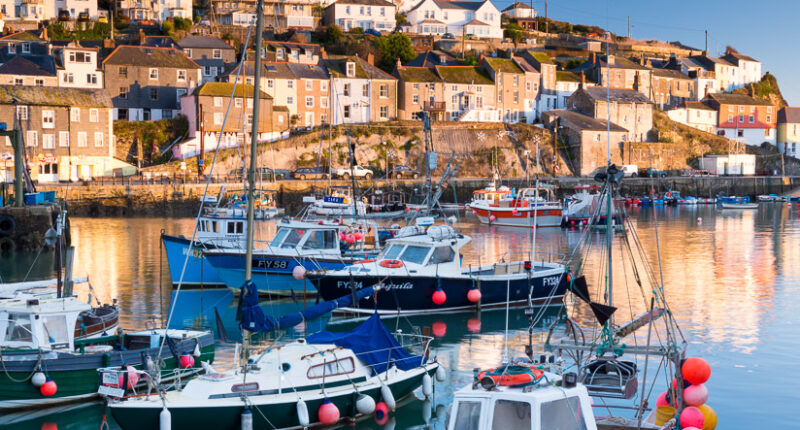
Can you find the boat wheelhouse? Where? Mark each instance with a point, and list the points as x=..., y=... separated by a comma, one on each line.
x=525, y=207
x=338, y=202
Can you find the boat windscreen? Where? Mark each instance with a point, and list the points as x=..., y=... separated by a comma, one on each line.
x=279, y=236
x=293, y=238
x=392, y=252
x=415, y=254
x=321, y=239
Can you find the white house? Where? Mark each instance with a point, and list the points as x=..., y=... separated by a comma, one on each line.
x=77, y=67
x=350, y=91
x=789, y=131
x=480, y=19
x=695, y=114
x=157, y=10
x=367, y=14
x=566, y=84
x=730, y=164
x=747, y=70
x=520, y=10
x=47, y=9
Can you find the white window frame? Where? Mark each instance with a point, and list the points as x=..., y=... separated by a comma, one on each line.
x=49, y=141
x=63, y=139
x=22, y=113
x=153, y=74
x=48, y=119
x=83, y=140
x=94, y=115
x=217, y=101
x=309, y=101
x=216, y=54
x=181, y=75
x=99, y=141
x=32, y=138
x=218, y=117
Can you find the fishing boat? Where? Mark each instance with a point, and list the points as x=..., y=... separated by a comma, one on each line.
x=297, y=246
x=385, y=204
x=724, y=205
x=733, y=199
x=580, y=208
x=524, y=208
x=338, y=202
x=767, y=198
x=43, y=363
x=688, y=201
x=420, y=271
x=706, y=200
x=491, y=194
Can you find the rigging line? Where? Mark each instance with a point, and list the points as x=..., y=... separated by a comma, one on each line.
x=205, y=192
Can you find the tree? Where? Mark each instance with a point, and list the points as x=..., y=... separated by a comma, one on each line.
x=514, y=32
x=333, y=34
x=400, y=18
x=392, y=47
x=357, y=30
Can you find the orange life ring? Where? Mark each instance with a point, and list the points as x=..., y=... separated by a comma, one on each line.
x=515, y=375
x=391, y=264
x=368, y=260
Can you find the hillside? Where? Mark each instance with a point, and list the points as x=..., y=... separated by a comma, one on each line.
x=767, y=88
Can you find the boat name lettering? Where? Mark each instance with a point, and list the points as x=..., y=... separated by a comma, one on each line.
x=348, y=285
x=271, y=264
x=193, y=251
x=403, y=286
x=551, y=281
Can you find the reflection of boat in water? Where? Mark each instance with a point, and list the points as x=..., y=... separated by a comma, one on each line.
x=738, y=205
x=80, y=416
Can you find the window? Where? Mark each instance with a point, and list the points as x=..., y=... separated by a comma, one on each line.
x=414, y=254
x=740, y=133
x=383, y=11
x=217, y=101
x=323, y=118
x=82, y=140
x=48, y=141
x=384, y=112
x=351, y=69
x=454, y=100
x=248, y=120
x=309, y=102
x=346, y=111
x=468, y=416
x=19, y=328
x=217, y=118
x=769, y=119
x=181, y=75
x=323, y=102
x=39, y=82
x=769, y=109
x=309, y=85
x=741, y=118
x=18, y=81
x=153, y=94
x=415, y=86
x=415, y=99
x=270, y=83
x=154, y=74
x=32, y=138
x=68, y=78
x=321, y=239
x=597, y=137
x=347, y=89
x=249, y=103
x=216, y=53
x=180, y=92
x=91, y=79
x=332, y=368
x=289, y=100
x=509, y=414
x=48, y=119
x=563, y=414
x=123, y=72
x=237, y=102
x=365, y=90
x=26, y=48
x=323, y=85
x=63, y=138
x=188, y=53
x=752, y=119
x=279, y=53
x=94, y=115
x=209, y=70
x=98, y=140
x=384, y=90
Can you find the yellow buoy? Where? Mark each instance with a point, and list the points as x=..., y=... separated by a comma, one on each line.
x=710, y=422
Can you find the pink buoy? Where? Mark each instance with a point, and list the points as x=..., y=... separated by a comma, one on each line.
x=328, y=413
x=492, y=218
x=358, y=235
x=474, y=325
x=49, y=426
x=439, y=297
x=662, y=399
x=133, y=377
x=514, y=211
x=474, y=212
x=692, y=417
x=696, y=370
x=381, y=413
x=474, y=295
x=695, y=394
x=187, y=361
x=439, y=329
x=342, y=236
x=350, y=239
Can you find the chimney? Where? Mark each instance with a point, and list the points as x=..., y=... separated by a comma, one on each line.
x=109, y=43
x=44, y=34
x=141, y=37
x=642, y=60
x=594, y=58
x=322, y=53
x=636, y=81
x=583, y=80
x=371, y=59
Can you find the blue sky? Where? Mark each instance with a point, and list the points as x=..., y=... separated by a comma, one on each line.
x=765, y=30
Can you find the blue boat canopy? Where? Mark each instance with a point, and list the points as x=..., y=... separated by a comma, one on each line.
x=373, y=344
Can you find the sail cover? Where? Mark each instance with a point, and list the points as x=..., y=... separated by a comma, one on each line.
x=373, y=344
x=313, y=312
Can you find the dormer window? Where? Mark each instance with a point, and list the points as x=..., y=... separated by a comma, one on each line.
x=351, y=69
x=26, y=48
x=442, y=59
x=12, y=48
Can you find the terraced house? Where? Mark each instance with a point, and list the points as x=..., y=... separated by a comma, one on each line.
x=420, y=89
x=366, y=14
x=210, y=53
x=313, y=94
x=360, y=92
x=744, y=118
x=789, y=131
x=469, y=93
x=147, y=83
x=516, y=87
x=67, y=132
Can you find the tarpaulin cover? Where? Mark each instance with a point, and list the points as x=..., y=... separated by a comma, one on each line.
x=313, y=312
x=250, y=315
x=373, y=344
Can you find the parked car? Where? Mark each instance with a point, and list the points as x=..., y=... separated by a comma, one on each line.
x=309, y=173
x=651, y=172
x=357, y=171
x=372, y=32
x=448, y=36
x=400, y=171
x=236, y=173
x=629, y=170
x=83, y=17
x=270, y=174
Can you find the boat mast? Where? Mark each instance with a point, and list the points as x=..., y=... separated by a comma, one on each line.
x=609, y=229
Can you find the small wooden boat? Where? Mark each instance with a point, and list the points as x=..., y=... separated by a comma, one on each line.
x=739, y=205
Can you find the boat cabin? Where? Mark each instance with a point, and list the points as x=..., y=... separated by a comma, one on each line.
x=323, y=237
x=539, y=407
x=490, y=195
x=40, y=323
x=220, y=225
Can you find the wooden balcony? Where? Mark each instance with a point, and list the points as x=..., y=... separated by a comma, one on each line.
x=434, y=106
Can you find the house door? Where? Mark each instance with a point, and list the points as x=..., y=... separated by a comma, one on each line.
x=309, y=119
x=48, y=172
x=466, y=102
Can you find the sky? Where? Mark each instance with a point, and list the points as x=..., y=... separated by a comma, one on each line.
x=765, y=30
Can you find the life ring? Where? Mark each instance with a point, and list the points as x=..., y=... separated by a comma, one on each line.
x=368, y=260
x=7, y=245
x=7, y=225
x=669, y=195
x=391, y=264
x=513, y=375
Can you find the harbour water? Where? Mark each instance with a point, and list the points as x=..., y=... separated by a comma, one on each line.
x=732, y=279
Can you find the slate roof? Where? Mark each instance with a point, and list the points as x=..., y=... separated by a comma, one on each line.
x=316, y=49
x=365, y=2
x=29, y=65
x=669, y=73
x=418, y=74
x=579, y=121
x=738, y=99
x=54, y=96
x=149, y=41
x=708, y=62
x=464, y=75
x=697, y=105
x=505, y=65
x=306, y=71
x=621, y=63
x=224, y=89
x=27, y=35
x=517, y=5
x=476, y=22
x=337, y=68
x=139, y=56
x=275, y=69
x=465, y=5
x=789, y=115
x=620, y=95
x=735, y=57
x=203, y=42
x=431, y=58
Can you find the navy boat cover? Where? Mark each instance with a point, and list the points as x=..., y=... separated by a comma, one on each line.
x=373, y=344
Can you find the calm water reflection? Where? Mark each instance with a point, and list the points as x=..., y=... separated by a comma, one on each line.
x=731, y=280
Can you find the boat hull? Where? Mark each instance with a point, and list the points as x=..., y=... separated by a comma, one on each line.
x=524, y=217
x=199, y=272
x=271, y=274
x=76, y=375
x=281, y=415
x=413, y=295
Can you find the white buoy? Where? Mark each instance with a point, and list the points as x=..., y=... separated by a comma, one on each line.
x=165, y=419
x=427, y=385
x=299, y=272
x=302, y=413
x=247, y=419
x=427, y=411
x=388, y=397
x=38, y=379
x=440, y=374
x=196, y=352
x=365, y=404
